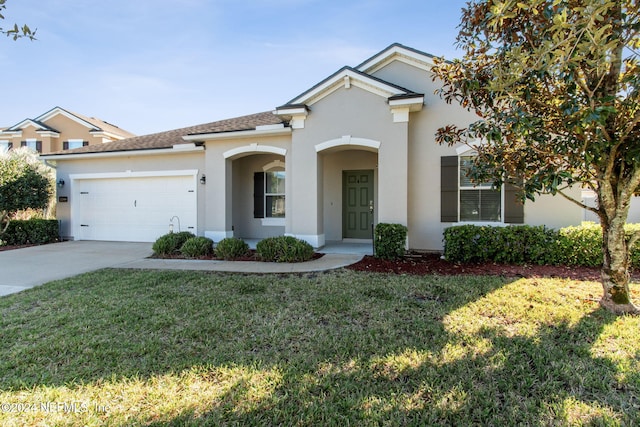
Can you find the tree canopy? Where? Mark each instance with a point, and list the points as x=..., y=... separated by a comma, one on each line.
x=555, y=86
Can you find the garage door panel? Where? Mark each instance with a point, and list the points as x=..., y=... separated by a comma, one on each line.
x=134, y=209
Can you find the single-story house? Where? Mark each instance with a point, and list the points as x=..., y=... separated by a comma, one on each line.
x=356, y=149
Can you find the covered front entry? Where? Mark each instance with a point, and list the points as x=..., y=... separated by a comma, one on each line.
x=357, y=204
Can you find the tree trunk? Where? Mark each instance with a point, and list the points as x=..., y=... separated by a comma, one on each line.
x=615, y=267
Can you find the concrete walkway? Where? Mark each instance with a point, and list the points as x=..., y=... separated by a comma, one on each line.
x=327, y=262
x=25, y=268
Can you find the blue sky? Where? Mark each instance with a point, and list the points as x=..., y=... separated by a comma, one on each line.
x=154, y=65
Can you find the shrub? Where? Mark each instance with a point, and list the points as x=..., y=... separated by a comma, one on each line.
x=390, y=241
x=197, y=247
x=231, y=248
x=581, y=245
x=171, y=243
x=32, y=231
x=284, y=249
x=531, y=245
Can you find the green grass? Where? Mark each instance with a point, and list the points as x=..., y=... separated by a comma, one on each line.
x=121, y=347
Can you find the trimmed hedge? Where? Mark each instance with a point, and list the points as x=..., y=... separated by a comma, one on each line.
x=31, y=232
x=284, y=249
x=171, y=243
x=197, y=247
x=231, y=248
x=390, y=241
x=523, y=244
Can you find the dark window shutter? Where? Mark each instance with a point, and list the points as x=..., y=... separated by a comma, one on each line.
x=513, y=207
x=65, y=145
x=39, y=146
x=23, y=143
x=258, y=195
x=85, y=143
x=10, y=146
x=449, y=189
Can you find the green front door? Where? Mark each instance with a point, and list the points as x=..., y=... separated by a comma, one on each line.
x=357, y=204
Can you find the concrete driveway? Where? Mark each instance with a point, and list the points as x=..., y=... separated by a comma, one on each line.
x=28, y=267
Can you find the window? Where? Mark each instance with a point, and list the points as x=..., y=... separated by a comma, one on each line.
x=33, y=144
x=478, y=202
x=5, y=146
x=274, y=194
x=269, y=194
x=461, y=201
x=74, y=143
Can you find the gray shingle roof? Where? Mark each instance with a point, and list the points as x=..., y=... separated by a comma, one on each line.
x=170, y=138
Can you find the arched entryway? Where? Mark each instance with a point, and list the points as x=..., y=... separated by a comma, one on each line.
x=349, y=188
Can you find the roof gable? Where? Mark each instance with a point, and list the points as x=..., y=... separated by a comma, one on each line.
x=60, y=111
x=347, y=77
x=397, y=52
x=39, y=126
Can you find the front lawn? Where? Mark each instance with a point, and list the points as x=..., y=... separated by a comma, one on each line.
x=122, y=347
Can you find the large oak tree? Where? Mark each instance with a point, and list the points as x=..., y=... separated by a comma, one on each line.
x=555, y=85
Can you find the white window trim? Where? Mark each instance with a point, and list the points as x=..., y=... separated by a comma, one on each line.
x=469, y=153
x=275, y=166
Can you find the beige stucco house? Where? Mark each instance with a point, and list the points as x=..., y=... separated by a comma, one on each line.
x=356, y=149
x=59, y=129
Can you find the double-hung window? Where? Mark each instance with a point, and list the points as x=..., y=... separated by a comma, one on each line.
x=463, y=200
x=269, y=194
x=274, y=194
x=478, y=202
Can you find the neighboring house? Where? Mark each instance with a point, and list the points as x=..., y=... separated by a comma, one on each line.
x=57, y=130
x=354, y=150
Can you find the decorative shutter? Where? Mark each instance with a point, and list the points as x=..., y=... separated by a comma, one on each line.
x=513, y=208
x=23, y=143
x=85, y=143
x=258, y=195
x=449, y=189
x=39, y=146
x=65, y=145
x=9, y=146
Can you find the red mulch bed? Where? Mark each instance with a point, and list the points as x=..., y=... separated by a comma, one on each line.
x=421, y=264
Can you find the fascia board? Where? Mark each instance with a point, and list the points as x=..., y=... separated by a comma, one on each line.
x=397, y=53
x=129, y=153
x=338, y=80
x=237, y=134
x=57, y=110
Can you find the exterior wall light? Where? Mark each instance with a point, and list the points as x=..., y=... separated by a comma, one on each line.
x=203, y=180
x=61, y=183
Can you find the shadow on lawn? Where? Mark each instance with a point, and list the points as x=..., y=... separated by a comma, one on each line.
x=353, y=350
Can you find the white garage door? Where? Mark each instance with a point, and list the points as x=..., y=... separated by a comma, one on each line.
x=133, y=209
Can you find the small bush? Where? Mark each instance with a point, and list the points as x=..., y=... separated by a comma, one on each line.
x=284, y=249
x=171, y=243
x=32, y=231
x=197, y=247
x=390, y=241
x=231, y=248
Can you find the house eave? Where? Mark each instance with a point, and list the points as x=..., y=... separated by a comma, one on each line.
x=266, y=131
x=176, y=149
